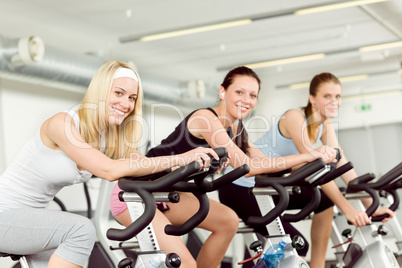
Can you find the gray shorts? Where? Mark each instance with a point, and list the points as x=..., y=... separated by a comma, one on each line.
x=37, y=233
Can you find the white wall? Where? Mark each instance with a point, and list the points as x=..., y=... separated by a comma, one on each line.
x=23, y=108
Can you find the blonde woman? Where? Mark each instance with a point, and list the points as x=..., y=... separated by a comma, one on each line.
x=98, y=138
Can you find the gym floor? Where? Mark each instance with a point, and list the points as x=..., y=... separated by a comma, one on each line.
x=8, y=263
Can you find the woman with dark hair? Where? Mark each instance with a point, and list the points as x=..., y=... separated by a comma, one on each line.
x=300, y=131
x=213, y=127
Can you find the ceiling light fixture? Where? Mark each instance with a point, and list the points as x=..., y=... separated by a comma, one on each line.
x=371, y=95
x=243, y=21
x=195, y=30
x=342, y=79
x=335, y=6
x=381, y=46
x=353, y=78
x=285, y=61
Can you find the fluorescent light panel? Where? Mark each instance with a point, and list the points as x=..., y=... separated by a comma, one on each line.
x=342, y=79
x=336, y=6
x=195, y=30
x=246, y=21
x=285, y=61
x=372, y=95
x=381, y=46
x=354, y=78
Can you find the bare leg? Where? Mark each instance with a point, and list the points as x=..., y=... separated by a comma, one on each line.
x=221, y=221
x=321, y=228
x=57, y=262
x=171, y=244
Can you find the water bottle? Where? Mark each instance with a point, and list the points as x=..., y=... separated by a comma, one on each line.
x=272, y=256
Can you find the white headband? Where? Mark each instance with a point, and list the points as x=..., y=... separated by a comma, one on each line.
x=125, y=72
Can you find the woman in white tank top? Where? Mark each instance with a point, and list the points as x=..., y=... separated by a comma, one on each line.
x=98, y=138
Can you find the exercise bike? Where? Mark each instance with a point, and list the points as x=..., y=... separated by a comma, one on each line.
x=145, y=247
x=366, y=247
x=310, y=176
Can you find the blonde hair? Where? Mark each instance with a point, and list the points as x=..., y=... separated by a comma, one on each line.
x=119, y=141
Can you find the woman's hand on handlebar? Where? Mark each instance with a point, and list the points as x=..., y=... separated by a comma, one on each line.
x=225, y=164
x=384, y=210
x=325, y=152
x=200, y=154
x=357, y=217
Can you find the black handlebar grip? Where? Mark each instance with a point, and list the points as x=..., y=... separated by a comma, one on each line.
x=338, y=154
x=375, y=204
x=231, y=176
x=277, y=174
x=392, y=189
x=137, y=226
x=392, y=207
x=275, y=212
x=162, y=183
x=306, y=211
x=338, y=157
x=305, y=171
x=362, y=179
x=353, y=187
x=153, y=176
x=389, y=177
x=144, y=189
x=206, y=186
x=296, y=178
x=222, y=152
x=203, y=184
x=194, y=221
x=333, y=174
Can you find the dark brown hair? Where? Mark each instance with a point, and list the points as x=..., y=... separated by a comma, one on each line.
x=241, y=138
x=308, y=110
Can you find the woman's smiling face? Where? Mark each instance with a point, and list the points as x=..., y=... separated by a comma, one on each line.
x=241, y=96
x=122, y=99
x=328, y=99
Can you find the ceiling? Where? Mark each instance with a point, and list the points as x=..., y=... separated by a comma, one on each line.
x=95, y=27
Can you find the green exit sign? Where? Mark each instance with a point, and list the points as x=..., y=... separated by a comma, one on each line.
x=365, y=107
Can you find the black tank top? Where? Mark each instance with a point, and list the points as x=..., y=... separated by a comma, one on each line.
x=181, y=140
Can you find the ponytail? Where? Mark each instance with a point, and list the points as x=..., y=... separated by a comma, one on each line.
x=241, y=138
x=311, y=127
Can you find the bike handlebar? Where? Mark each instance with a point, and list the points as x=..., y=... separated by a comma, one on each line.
x=389, y=182
x=194, y=221
x=388, y=177
x=144, y=189
x=175, y=180
x=200, y=190
x=333, y=174
x=361, y=184
x=296, y=178
x=279, y=183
